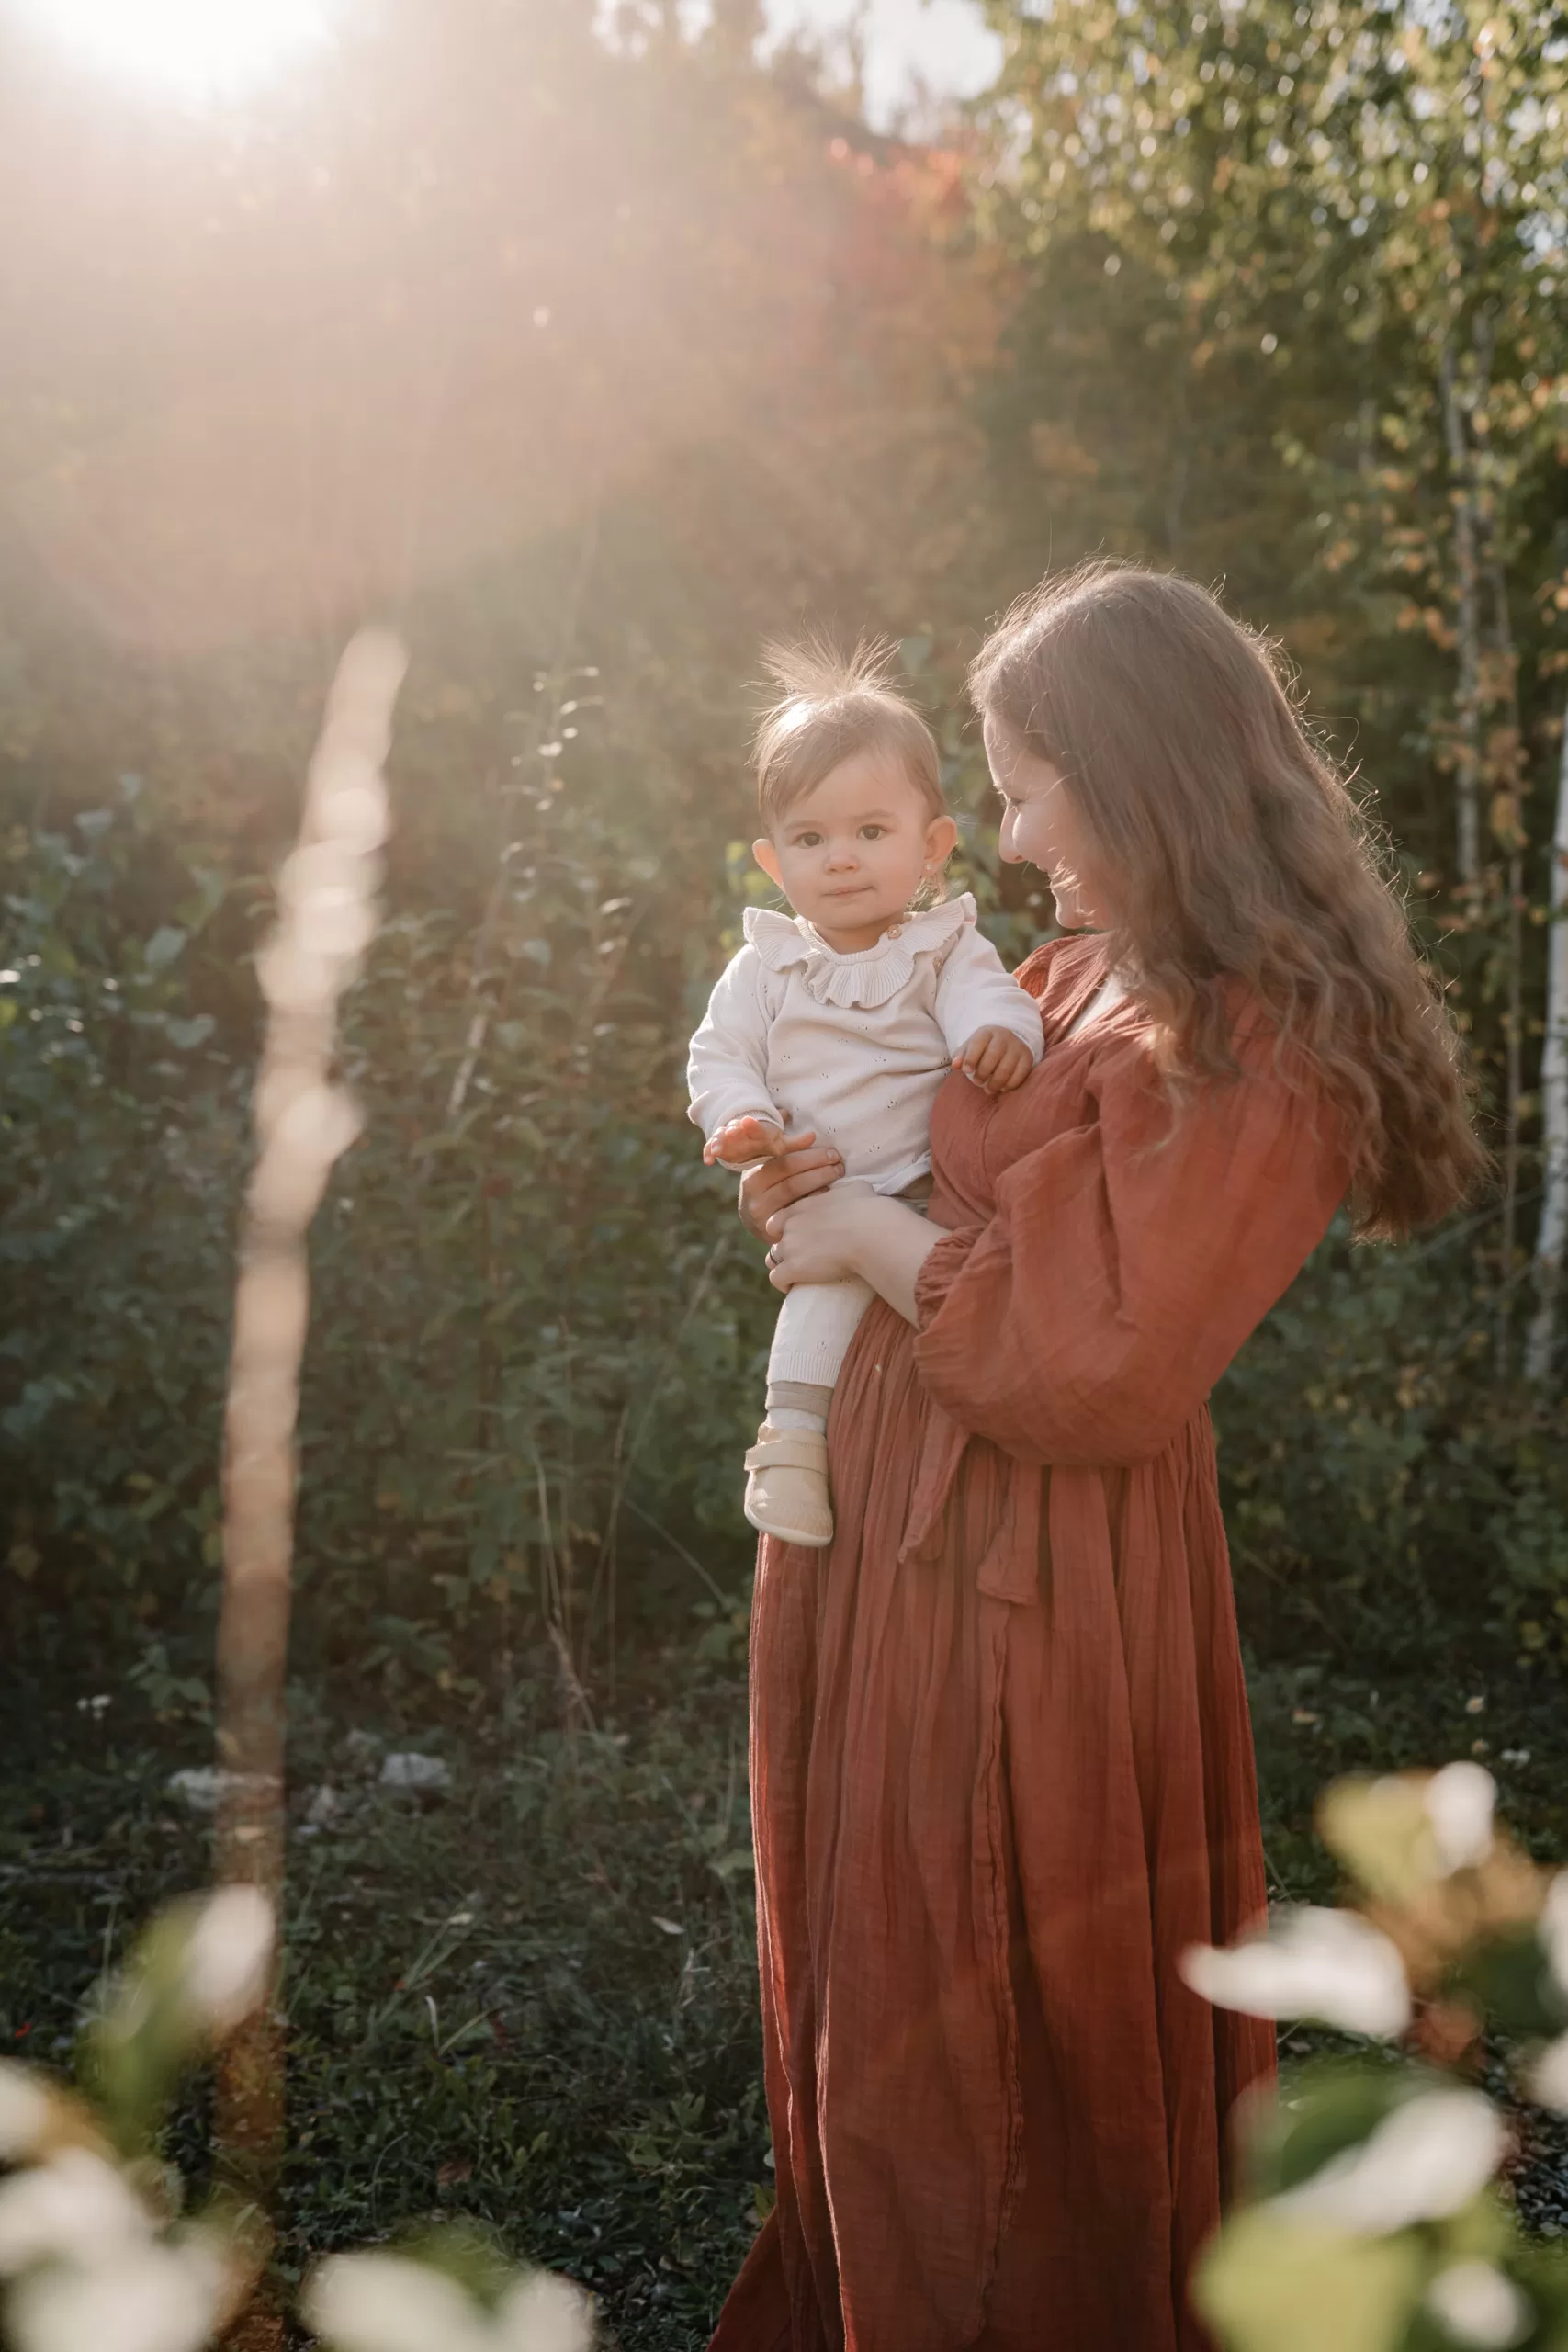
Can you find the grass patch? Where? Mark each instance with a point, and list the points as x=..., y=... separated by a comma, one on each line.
x=530, y=1999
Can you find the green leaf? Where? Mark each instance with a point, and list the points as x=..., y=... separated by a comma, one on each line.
x=188, y=1034
x=1330, y=2108
x=1513, y=1980
x=732, y=1865
x=162, y=947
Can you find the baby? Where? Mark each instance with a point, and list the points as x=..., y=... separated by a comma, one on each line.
x=846, y=1018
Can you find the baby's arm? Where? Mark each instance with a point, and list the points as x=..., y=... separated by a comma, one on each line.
x=991, y=1025
x=726, y=1070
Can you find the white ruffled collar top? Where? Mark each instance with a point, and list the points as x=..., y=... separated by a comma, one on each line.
x=868, y=977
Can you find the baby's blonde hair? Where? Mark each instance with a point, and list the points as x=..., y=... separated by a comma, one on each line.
x=830, y=706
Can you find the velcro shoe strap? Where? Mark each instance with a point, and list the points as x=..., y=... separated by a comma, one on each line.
x=790, y=1449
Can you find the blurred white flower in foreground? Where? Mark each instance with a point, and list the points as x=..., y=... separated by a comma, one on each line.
x=162, y=2296
x=228, y=1961
x=384, y=2303
x=1554, y=1927
x=89, y=2272
x=389, y=2302
x=1429, y=2158
x=1478, y=2305
x=544, y=2314
x=1331, y=1965
x=1461, y=1801
x=25, y=2110
x=1546, y=2079
x=75, y=2208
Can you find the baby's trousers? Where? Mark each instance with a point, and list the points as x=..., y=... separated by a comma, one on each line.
x=817, y=1321
x=812, y=1336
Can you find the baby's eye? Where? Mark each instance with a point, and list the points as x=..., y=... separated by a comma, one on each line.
x=872, y=833
x=808, y=840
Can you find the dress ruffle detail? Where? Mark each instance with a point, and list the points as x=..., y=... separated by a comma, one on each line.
x=870, y=978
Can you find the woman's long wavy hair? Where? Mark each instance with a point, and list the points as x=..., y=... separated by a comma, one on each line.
x=1239, y=856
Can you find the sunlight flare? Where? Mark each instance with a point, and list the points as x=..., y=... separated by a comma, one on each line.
x=194, y=49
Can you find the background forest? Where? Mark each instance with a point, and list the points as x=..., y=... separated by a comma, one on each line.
x=591, y=354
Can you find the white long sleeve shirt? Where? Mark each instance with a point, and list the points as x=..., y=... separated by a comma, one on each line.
x=854, y=1047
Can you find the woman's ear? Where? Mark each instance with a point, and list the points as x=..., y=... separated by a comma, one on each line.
x=767, y=858
x=942, y=840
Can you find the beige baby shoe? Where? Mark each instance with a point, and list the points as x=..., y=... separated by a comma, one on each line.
x=786, y=1486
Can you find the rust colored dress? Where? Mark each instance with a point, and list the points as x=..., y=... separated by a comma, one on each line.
x=1002, y=1768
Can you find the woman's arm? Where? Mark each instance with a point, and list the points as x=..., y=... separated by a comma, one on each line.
x=1127, y=1260
x=848, y=1233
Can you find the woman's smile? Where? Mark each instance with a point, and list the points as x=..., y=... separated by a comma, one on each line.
x=1042, y=827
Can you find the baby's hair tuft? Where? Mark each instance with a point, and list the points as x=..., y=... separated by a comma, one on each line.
x=812, y=669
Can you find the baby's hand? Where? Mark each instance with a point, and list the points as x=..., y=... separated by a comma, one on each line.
x=996, y=1059
x=742, y=1141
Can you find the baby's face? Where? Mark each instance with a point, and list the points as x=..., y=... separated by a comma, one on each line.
x=852, y=855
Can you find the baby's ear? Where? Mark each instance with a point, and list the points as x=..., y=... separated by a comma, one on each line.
x=767, y=858
x=942, y=840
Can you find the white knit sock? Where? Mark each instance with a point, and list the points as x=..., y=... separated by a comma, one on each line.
x=784, y=1417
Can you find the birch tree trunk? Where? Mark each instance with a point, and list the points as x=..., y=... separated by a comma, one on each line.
x=1552, y=1234
x=1504, y=754
x=1467, y=623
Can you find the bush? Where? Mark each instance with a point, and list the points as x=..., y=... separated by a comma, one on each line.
x=539, y=1337
x=124, y=1129
x=1421, y=1497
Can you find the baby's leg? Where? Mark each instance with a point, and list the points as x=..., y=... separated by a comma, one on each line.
x=786, y=1483
x=812, y=1336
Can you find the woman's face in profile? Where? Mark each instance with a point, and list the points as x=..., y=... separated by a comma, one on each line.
x=1041, y=827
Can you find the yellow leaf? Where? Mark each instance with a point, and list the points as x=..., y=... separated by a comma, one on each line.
x=1383, y=1831
x=1270, y=2285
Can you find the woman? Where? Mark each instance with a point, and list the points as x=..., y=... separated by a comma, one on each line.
x=1002, y=1766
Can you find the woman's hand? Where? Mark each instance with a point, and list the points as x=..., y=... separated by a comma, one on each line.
x=852, y=1230
x=802, y=1168
x=821, y=1241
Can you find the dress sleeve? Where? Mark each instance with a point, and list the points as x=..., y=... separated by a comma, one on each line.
x=1126, y=1261
x=977, y=991
x=727, y=1070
